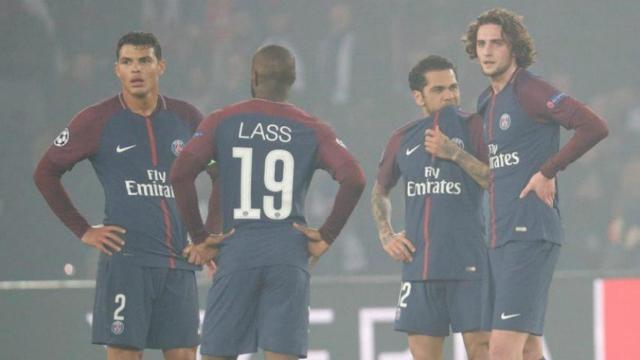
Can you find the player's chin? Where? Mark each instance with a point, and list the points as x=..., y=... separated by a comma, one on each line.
x=138, y=91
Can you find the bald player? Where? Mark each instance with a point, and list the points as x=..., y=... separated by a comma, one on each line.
x=269, y=150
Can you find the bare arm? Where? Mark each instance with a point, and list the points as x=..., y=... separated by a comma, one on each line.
x=439, y=144
x=381, y=208
x=395, y=244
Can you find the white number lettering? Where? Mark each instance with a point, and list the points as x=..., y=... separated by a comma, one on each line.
x=120, y=298
x=283, y=186
x=405, y=290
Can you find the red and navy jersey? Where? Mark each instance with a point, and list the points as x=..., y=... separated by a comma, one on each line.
x=132, y=156
x=443, y=205
x=267, y=153
x=522, y=131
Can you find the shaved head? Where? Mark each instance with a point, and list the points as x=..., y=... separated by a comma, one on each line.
x=273, y=71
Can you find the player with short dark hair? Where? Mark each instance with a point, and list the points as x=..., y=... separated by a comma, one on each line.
x=146, y=295
x=522, y=117
x=267, y=150
x=442, y=245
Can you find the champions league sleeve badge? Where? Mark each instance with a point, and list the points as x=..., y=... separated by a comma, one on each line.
x=62, y=139
x=555, y=100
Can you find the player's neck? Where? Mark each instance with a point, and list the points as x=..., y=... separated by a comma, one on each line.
x=269, y=96
x=500, y=81
x=143, y=106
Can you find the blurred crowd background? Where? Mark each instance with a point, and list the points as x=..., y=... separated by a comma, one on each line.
x=353, y=57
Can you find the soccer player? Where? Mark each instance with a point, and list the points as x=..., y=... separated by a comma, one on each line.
x=442, y=245
x=267, y=151
x=522, y=116
x=146, y=295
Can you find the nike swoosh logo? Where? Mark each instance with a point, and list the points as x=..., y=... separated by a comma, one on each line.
x=123, y=149
x=410, y=151
x=504, y=316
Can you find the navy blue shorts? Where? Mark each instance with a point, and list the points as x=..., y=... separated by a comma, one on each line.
x=521, y=273
x=432, y=307
x=144, y=307
x=265, y=307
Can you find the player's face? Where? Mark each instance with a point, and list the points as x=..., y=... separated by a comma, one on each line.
x=441, y=90
x=139, y=70
x=494, y=51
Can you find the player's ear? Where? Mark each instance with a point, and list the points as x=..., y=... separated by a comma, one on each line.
x=418, y=98
x=254, y=78
x=162, y=66
x=115, y=69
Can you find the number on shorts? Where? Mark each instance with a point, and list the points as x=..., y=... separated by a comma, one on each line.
x=284, y=186
x=121, y=299
x=405, y=290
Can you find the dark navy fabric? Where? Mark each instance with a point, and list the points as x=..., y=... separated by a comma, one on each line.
x=521, y=274
x=266, y=307
x=267, y=153
x=518, y=146
x=443, y=212
x=132, y=156
x=431, y=307
x=144, y=307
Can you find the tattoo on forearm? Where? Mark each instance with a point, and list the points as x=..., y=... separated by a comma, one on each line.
x=474, y=167
x=381, y=208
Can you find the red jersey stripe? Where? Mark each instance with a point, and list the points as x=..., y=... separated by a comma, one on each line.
x=427, y=211
x=152, y=142
x=168, y=232
x=492, y=193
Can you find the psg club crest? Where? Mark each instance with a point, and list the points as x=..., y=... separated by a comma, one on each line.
x=458, y=142
x=505, y=121
x=117, y=327
x=177, y=146
x=62, y=139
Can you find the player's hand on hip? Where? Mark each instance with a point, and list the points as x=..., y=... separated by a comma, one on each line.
x=207, y=250
x=316, y=245
x=438, y=144
x=104, y=238
x=544, y=188
x=399, y=247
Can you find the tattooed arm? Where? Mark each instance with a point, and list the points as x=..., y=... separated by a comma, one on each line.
x=395, y=244
x=439, y=144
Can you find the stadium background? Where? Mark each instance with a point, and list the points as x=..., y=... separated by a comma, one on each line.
x=353, y=60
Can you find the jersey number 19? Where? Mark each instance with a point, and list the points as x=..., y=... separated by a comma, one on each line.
x=283, y=186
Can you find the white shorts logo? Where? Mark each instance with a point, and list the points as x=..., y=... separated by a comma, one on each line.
x=504, y=316
x=62, y=139
x=117, y=327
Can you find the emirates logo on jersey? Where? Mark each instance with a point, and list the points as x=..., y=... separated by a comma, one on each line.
x=177, y=146
x=505, y=121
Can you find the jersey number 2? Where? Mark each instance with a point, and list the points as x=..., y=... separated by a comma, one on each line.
x=283, y=186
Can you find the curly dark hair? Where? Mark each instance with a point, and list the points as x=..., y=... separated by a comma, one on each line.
x=139, y=38
x=513, y=30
